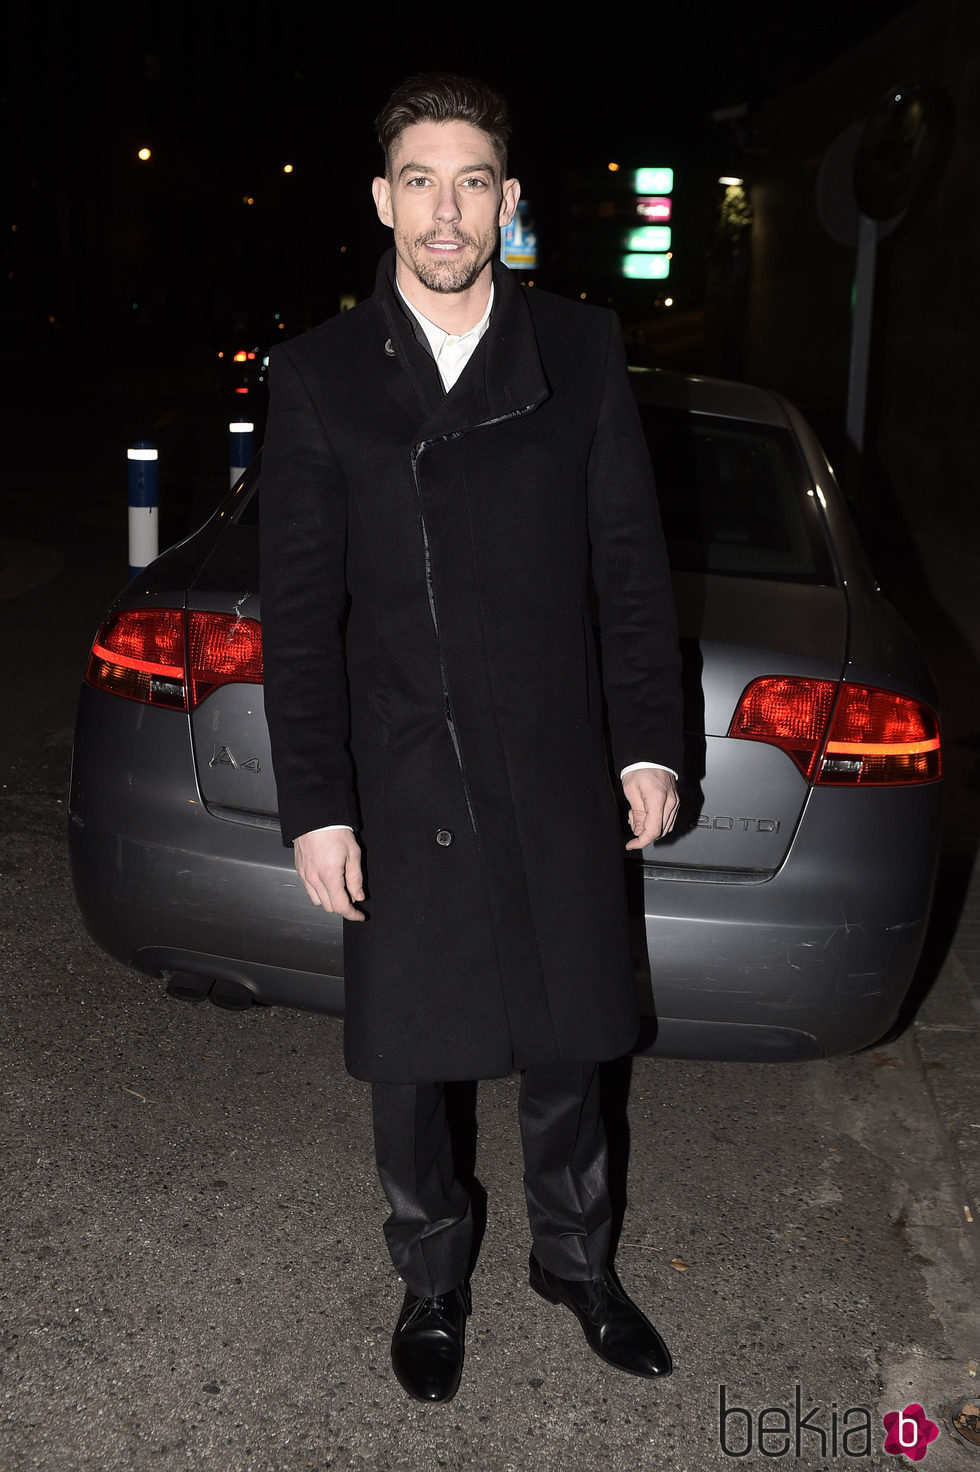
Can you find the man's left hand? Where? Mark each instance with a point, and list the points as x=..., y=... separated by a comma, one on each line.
x=652, y=795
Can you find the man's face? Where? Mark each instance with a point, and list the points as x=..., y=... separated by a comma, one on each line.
x=445, y=202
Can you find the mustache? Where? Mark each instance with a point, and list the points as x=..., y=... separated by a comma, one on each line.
x=455, y=236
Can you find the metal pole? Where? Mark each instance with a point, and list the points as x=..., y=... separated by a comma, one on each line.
x=857, y=385
x=144, y=523
x=241, y=448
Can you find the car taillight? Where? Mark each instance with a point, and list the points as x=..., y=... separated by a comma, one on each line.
x=854, y=734
x=163, y=657
x=880, y=737
x=788, y=712
x=223, y=650
x=139, y=653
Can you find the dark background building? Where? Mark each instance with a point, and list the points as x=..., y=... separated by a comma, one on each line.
x=923, y=446
x=122, y=279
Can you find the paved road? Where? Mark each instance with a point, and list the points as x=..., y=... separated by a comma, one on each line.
x=191, y=1268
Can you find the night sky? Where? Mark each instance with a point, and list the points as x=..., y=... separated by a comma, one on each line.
x=225, y=94
x=231, y=77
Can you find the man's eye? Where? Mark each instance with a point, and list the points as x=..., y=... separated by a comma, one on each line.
x=418, y=183
x=475, y=183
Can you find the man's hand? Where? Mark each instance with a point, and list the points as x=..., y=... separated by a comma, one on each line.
x=329, y=863
x=652, y=795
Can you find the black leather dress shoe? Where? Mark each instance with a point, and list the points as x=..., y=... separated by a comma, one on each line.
x=614, y=1326
x=427, y=1345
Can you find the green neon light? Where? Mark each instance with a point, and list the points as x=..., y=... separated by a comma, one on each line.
x=653, y=181
x=646, y=267
x=649, y=237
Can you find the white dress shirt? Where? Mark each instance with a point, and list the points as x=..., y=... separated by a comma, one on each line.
x=451, y=351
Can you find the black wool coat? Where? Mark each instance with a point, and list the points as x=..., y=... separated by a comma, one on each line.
x=432, y=677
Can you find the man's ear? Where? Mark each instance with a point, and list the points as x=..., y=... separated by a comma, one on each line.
x=381, y=191
x=508, y=204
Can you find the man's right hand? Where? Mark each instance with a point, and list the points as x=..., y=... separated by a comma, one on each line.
x=329, y=863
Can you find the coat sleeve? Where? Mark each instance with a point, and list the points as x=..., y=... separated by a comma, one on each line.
x=637, y=619
x=303, y=535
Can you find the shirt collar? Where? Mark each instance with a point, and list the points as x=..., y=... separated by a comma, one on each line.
x=435, y=336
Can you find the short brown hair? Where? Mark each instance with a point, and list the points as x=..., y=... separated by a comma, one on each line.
x=441, y=97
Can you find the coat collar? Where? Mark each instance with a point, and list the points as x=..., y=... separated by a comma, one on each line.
x=503, y=379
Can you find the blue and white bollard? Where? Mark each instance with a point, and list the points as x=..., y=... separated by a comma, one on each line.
x=144, y=500
x=241, y=449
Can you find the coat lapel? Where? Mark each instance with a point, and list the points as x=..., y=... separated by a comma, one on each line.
x=409, y=372
x=503, y=379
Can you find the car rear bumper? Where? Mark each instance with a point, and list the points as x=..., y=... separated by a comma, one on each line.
x=814, y=960
x=820, y=955
x=164, y=885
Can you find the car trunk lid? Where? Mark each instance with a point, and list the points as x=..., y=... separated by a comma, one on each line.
x=743, y=799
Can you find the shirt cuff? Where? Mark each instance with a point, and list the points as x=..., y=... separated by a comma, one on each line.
x=640, y=766
x=332, y=828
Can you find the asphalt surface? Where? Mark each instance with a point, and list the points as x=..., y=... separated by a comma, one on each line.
x=192, y=1274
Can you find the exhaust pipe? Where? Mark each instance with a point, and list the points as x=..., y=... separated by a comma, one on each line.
x=191, y=986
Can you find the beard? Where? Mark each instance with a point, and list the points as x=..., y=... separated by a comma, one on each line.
x=453, y=275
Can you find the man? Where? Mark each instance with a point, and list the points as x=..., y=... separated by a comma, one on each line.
x=445, y=468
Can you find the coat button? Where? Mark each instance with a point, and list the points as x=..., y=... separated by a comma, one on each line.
x=444, y=838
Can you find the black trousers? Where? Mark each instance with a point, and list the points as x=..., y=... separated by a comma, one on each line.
x=430, y=1229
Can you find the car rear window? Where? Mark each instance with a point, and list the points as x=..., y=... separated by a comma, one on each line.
x=247, y=511
x=735, y=498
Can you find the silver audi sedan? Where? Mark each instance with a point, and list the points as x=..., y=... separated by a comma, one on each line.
x=784, y=917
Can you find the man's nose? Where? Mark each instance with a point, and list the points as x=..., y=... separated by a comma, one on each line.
x=447, y=205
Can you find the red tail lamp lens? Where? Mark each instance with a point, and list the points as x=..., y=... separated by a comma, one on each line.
x=142, y=653
x=879, y=737
x=863, y=735
x=224, y=650
x=139, y=653
x=788, y=712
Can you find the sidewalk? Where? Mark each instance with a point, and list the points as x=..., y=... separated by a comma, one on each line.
x=947, y=1034
x=946, y=1027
